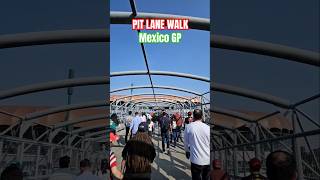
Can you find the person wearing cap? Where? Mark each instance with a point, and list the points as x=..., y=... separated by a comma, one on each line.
x=138, y=155
x=112, y=166
x=217, y=173
x=197, y=147
x=64, y=172
x=255, y=166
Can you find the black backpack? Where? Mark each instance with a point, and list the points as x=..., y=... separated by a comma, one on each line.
x=165, y=124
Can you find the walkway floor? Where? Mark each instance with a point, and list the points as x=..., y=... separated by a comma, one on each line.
x=172, y=165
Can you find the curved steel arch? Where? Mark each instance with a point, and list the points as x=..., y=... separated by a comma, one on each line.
x=226, y=89
x=147, y=102
x=54, y=37
x=157, y=94
x=160, y=73
x=88, y=129
x=80, y=120
x=265, y=48
x=118, y=17
x=53, y=85
x=216, y=41
x=251, y=94
x=95, y=134
x=157, y=87
x=151, y=98
x=233, y=114
x=232, y=43
x=33, y=116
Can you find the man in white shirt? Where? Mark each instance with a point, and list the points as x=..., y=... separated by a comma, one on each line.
x=197, y=147
x=86, y=171
x=63, y=173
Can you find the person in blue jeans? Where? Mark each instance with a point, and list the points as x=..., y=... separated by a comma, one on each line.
x=165, y=128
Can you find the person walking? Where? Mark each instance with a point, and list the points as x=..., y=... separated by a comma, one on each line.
x=174, y=127
x=165, y=129
x=138, y=155
x=150, y=128
x=135, y=124
x=114, y=122
x=255, y=166
x=197, y=147
x=217, y=173
x=64, y=172
x=86, y=171
x=188, y=119
x=128, y=121
x=281, y=165
x=112, y=165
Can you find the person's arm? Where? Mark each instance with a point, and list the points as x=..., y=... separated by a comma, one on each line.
x=186, y=140
x=116, y=173
x=131, y=123
x=123, y=165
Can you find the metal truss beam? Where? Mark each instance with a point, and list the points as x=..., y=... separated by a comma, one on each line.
x=157, y=87
x=53, y=85
x=81, y=120
x=157, y=94
x=88, y=128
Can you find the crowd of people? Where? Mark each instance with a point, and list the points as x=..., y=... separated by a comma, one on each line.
x=280, y=165
x=139, y=152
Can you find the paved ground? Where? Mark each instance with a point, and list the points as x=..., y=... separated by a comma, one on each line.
x=172, y=165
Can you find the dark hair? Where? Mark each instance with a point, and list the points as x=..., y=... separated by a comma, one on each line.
x=197, y=114
x=12, y=172
x=130, y=112
x=255, y=164
x=136, y=113
x=85, y=163
x=139, y=153
x=64, y=162
x=114, y=115
x=143, y=127
x=280, y=166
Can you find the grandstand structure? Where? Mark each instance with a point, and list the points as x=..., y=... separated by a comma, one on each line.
x=37, y=136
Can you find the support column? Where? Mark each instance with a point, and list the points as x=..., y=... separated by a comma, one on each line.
x=20, y=153
x=1, y=149
x=235, y=159
x=257, y=146
x=50, y=163
x=296, y=148
x=37, y=161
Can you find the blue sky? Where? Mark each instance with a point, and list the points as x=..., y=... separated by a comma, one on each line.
x=189, y=56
